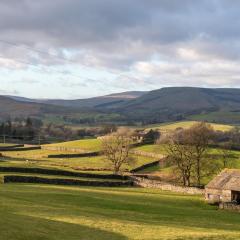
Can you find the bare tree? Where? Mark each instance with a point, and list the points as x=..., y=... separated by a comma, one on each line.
x=181, y=154
x=199, y=136
x=116, y=148
x=226, y=154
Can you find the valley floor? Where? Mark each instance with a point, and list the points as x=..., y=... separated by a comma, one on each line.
x=69, y=213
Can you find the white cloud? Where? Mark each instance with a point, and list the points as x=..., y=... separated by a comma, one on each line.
x=125, y=44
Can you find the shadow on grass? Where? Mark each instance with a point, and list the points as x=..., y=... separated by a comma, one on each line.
x=158, y=210
x=22, y=227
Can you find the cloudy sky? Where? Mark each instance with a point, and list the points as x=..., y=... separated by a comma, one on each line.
x=83, y=48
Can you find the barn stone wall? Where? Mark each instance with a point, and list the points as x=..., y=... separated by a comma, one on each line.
x=216, y=195
x=229, y=206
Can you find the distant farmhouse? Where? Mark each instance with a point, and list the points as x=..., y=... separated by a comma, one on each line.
x=224, y=188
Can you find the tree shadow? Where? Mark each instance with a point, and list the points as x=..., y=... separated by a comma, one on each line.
x=22, y=227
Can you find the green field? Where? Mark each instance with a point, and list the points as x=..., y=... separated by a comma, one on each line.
x=59, y=213
x=186, y=124
x=221, y=116
x=39, y=158
x=86, y=145
x=152, y=148
x=213, y=153
x=6, y=144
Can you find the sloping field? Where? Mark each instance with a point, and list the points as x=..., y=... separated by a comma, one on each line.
x=6, y=144
x=60, y=213
x=221, y=116
x=186, y=124
x=40, y=158
x=152, y=148
x=90, y=145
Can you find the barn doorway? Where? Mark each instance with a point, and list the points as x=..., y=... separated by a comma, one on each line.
x=236, y=196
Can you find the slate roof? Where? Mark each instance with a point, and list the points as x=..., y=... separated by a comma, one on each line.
x=228, y=179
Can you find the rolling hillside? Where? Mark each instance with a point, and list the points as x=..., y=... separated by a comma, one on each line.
x=162, y=105
x=108, y=101
x=10, y=108
x=179, y=103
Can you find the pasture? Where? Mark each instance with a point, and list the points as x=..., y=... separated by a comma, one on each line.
x=186, y=124
x=39, y=158
x=54, y=212
x=220, y=116
x=88, y=145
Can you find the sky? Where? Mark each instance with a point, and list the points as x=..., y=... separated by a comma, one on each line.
x=83, y=48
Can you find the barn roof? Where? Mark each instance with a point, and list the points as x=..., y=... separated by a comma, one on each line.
x=228, y=179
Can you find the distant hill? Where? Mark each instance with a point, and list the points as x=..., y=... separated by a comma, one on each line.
x=178, y=103
x=92, y=110
x=108, y=101
x=163, y=105
x=11, y=108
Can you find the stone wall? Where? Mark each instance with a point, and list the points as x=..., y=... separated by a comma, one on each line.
x=215, y=195
x=18, y=149
x=60, y=181
x=229, y=206
x=75, y=155
x=147, y=183
x=62, y=173
x=212, y=195
x=11, y=147
x=147, y=154
x=151, y=164
x=64, y=149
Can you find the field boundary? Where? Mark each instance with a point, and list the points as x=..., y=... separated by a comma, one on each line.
x=62, y=181
x=20, y=149
x=159, y=162
x=147, y=183
x=64, y=149
x=75, y=155
x=62, y=173
x=2, y=148
x=147, y=154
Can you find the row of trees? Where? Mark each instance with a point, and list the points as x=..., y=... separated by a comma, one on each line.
x=33, y=129
x=22, y=129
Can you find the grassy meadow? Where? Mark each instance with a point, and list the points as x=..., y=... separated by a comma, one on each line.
x=90, y=145
x=221, y=116
x=186, y=124
x=53, y=212
x=39, y=158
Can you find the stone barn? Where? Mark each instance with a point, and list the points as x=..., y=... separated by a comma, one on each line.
x=225, y=187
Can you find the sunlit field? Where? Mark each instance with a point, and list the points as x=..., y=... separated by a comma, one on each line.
x=51, y=212
x=187, y=124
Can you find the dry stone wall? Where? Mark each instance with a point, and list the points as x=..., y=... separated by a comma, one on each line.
x=229, y=206
x=64, y=149
x=147, y=154
x=147, y=183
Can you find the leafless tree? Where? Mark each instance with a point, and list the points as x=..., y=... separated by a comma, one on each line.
x=116, y=148
x=199, y=137
x=226, y=154
x=181, y=154
x=188, y=149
